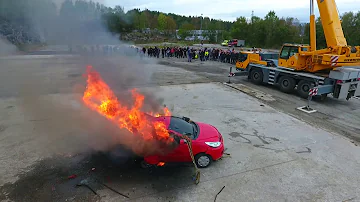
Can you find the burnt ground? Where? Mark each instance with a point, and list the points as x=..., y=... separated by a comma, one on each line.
x=48, y=179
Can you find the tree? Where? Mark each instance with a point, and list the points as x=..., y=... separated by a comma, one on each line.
x=143, y=20
x=350, y=24
x=185, y=29
x=271, y=29
x=134, y=15
x=196, y=21
x=153, y=21
x=240, y=28
x=162, y=21
x=170, y=24
x=206, y=23
x=38, y=20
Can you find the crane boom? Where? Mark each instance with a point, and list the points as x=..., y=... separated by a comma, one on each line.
x=312, y=27
x=331, y=23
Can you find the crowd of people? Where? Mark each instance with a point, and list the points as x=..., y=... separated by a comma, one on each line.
x=190, y=53
x=204, y=54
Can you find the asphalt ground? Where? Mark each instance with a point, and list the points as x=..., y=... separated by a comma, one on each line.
x=277, y=153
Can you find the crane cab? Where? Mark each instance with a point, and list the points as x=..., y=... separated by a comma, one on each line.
x=247, y=57
x=290, y=56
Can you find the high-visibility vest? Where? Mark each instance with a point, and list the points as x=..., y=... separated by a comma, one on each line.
x=206, y=53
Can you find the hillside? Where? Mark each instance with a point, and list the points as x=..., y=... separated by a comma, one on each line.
x=79, y=21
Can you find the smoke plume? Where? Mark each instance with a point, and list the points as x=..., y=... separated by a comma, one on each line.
x=61, y=120
x=6, y=48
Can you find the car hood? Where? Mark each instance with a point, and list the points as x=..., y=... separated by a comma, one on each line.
x=208, y=132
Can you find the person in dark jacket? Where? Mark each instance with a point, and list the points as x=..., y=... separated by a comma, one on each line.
x=163, y=52
x=189, y=54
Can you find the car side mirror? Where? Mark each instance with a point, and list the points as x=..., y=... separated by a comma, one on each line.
x=183, y=141
x=176, y=138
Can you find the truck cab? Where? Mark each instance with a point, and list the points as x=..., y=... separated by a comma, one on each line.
x=233, y=42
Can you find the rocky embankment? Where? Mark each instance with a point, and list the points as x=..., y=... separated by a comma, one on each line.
x=16, y=33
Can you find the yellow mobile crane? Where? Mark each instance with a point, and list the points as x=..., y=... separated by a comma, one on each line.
x=334, y=70
x=337, y=53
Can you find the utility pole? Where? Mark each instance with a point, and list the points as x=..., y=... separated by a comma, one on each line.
x=252, y=15
x=201, y=26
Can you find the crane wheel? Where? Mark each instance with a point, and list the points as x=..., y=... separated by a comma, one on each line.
x=323, y=97
x=256, y=76
x=303, y=88
x=287, y=84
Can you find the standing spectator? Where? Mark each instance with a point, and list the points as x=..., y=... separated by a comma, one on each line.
x=189, y=54
x=206, y=55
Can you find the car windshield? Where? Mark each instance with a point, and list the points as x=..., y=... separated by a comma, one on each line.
x=179, y=125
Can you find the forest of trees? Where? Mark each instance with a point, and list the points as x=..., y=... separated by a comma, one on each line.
x=41, y=21
x=272, y=31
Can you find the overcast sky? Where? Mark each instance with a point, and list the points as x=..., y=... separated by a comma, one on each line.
x=231, y=9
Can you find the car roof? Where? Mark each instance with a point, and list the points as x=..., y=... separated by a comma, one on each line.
x=164, y=119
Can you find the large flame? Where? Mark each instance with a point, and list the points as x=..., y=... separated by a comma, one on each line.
x=99, y=97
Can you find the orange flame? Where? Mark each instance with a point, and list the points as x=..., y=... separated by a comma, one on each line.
x=99, y=97
x=166, y=113
x=161, y=164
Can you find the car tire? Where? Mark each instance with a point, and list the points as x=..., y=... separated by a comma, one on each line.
x=256, y=76
x=203, y=160
x=287, y=84
x=145, y=165
x=303, y=88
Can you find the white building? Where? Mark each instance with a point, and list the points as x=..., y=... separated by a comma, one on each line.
x=197, y=35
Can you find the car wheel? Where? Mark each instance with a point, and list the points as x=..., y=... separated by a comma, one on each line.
x=287, y=84
x=145, y=165
x=202, y=160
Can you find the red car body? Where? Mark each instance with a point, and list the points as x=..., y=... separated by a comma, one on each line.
x=206, y=141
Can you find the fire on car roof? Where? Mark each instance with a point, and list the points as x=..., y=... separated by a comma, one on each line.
x=99, y=97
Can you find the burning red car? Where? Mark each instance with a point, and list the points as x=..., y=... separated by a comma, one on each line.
x=207, y=142
x=167, y=131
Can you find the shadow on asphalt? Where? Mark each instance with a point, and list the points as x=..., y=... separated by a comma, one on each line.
x=48, y=179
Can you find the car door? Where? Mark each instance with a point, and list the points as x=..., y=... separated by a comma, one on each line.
x=179, y=153
x=182, y=153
